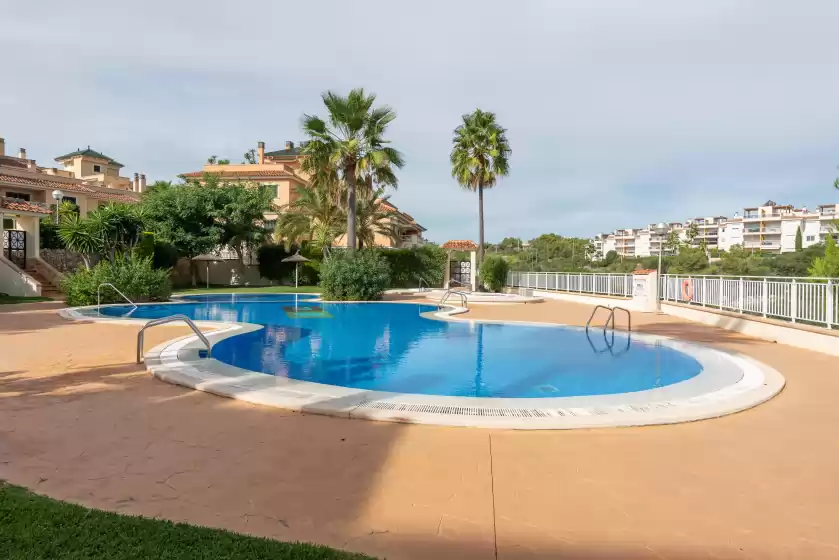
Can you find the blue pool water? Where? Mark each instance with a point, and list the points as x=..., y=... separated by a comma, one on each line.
x=391, y=347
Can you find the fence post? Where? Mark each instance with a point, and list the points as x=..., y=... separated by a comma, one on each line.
x=719, y=301
x=740, y=298
x=765, y=303
x=831, y=305
x=580, y=284
x=793, y=300
x=704, y=290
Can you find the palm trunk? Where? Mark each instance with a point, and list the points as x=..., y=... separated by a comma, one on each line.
x=349, y=176
x=480, y=225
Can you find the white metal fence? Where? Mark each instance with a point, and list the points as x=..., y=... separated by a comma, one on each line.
x=604, y=284
x=799, y=300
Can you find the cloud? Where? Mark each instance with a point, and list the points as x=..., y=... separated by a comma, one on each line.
x=619, y=114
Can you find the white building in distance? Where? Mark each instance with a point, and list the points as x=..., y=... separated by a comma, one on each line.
x=770, y=228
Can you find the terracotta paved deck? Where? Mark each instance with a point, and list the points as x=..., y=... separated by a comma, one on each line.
x=79, y=421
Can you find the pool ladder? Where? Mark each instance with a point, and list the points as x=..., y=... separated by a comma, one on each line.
x=99, y=296
x=171, y=319
x=609, y=329
x=464, y=297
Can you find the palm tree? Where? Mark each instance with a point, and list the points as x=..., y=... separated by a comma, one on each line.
x=352, y=144
x=77, y=235
x=315, y=214
x=479, y=156
x=375, y=216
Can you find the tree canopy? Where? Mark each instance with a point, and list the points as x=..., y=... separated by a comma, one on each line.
x=350, y=146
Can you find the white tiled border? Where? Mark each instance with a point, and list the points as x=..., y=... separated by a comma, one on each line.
x=177, y=362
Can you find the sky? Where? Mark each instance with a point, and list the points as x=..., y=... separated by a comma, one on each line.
x=618, y=113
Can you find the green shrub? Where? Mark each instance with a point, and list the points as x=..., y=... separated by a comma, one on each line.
x=136, y=278
x=354, y=275
x=145, y=246
x=165, y=255
x=408, y=266
x=272, y=267
x=48, y=235
x=494, y=273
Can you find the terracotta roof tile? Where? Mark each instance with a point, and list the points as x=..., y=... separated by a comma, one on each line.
x=8, y=203
x=116, y=196
x=238, y=174
x=461, y=244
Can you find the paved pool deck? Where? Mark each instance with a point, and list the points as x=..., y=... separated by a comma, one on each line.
x=80, y=421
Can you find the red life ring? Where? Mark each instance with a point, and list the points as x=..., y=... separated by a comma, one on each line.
x=687, y=289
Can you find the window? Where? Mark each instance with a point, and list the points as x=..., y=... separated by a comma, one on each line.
x=20, y=195
x=8, y=223
x=270, y=225
x=70, y=199
x=811, y=238
x=97, y=169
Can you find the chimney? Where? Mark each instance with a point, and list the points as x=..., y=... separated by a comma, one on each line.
x=142, y=187
x=289, y=145
x=260, y=152
x=135, y=184
x=2, y=146
x=22, y=153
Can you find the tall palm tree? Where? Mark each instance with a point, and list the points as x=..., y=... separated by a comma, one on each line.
x=352, y=143
x=374, y=216
x=479, y=156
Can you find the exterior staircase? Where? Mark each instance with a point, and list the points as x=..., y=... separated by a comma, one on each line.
x=48, y=289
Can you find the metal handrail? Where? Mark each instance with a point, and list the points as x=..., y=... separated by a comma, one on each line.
x=99, y=295
x=464, y=300
x=628, y=317
x=171, y=319
x=594, y=311
x=610, y=320
x=421, y=282
x=462, y=284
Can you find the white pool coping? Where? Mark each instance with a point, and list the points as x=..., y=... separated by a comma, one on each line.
x=729, y=383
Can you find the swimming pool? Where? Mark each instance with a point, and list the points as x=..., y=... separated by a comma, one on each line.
x=416, y=362
x=395, y=347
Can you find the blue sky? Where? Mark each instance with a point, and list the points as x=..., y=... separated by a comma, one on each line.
x=619, y=113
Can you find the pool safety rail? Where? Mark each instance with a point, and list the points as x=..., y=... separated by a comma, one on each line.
x=609, y=331
x=99, y=295
x=810, y=300
x=171, y=319
x=617, y=285
x=464, y=297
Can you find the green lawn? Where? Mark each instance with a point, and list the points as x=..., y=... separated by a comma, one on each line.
x=263, y=289
x=33, y=526
x=8, y=300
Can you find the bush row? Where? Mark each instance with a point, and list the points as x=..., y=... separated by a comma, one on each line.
x=407, y=266
x=136, y=278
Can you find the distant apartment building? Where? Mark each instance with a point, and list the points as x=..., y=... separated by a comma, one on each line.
x=770, y=228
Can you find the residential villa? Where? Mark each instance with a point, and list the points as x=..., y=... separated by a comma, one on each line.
x=771, y=228
x=280, y=171
x=28, y=192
